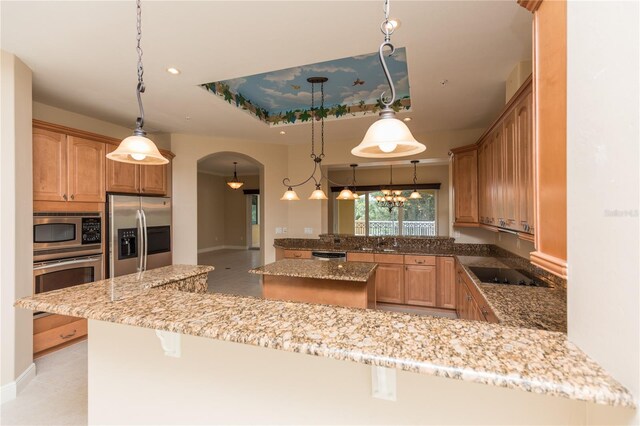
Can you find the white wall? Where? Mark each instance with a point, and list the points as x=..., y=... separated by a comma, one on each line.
x=603, y=185
x=215, y=382
x=16, y=221
x=191, y=148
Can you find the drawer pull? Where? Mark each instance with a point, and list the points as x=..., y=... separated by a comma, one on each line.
x=73, y=333
x=297, y=255
x=419, y=261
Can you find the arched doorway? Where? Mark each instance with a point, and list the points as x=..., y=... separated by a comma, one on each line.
x=230, y=234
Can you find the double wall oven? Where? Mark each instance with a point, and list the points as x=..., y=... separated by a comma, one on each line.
x=67, y=250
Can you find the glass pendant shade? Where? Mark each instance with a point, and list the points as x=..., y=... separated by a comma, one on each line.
x=387, y=138
x=318, y=194
x=345, y=194
x=290, y=195
x=137, y=149
x=235, y=185
x=415, y=195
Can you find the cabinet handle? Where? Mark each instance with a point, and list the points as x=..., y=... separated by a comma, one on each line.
x=73, y=333
x=469, y=298
x=297, y=255
x=420, y=262
x=64, y=197
x=72, y=196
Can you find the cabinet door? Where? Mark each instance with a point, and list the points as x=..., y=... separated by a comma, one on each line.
x=497, y=181
x=509, y=183
x=86, y=170
x=420, y=285
x=461, y=294
x=49, y=166
x=465, y=187
x=154, y=179
x=297, y=254
x=446, y=285
x=525, y=164
x=122, y=177
x=489, y=203
x=482, y=183
x=390, y=283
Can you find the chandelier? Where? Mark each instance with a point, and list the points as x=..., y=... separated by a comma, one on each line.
x=138, y=149
x=387, y=137
x=318, y=193
x=234, y=183
x=391, y=198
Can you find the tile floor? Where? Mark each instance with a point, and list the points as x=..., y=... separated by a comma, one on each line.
x=230, y=275
x=58, y=393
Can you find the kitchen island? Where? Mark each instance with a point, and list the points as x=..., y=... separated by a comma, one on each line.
x=349, y=284
x=196, y=357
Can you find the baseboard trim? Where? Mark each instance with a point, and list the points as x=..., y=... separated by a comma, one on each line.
x=215, y=248
x=11, y=390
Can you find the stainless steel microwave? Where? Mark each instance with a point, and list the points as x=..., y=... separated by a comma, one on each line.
x=64, y=235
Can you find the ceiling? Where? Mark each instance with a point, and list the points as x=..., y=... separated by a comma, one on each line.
x=352, y=90
x=83, y=57
x=222, y=165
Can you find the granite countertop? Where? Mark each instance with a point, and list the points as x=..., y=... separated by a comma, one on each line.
x=531, y=360
x=520, y=306
x=323, y=270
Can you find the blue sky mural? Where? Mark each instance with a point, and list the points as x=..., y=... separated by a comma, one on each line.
x=284, y=96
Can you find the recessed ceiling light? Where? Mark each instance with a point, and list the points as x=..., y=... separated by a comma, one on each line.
x=174, y=71
x=282, y=132
x=407, y=119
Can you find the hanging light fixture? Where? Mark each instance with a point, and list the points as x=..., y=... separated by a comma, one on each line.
x=347, y=193
x=318, y=193
x=415, y=194
x=391, y=198
x=234, y=183
x=138, y=149
x=388, y=137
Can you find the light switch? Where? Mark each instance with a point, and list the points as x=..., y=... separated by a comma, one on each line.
x=383, y=383
x=284, y=230
x=308, y=231
x=278, y=230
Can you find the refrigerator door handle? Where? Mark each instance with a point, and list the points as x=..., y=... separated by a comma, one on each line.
x=141, y=245
x=146, y=240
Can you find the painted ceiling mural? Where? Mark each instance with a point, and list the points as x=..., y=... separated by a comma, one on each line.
x=284, y=96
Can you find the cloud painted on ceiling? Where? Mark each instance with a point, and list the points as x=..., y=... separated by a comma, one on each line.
x=284, y=96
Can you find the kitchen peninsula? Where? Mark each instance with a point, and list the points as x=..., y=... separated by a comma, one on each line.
x=350, y=284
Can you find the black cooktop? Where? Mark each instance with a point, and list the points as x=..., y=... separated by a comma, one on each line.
x=506, y=276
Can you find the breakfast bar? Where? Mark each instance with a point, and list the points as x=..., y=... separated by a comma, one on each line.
x=349, y=284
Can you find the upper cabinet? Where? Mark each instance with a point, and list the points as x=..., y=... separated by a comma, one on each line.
x=465, y=186
x=135, y=179
x=67, y=168
x=493, y=179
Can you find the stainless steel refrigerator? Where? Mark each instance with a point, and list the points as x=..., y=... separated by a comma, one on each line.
x=139, y=233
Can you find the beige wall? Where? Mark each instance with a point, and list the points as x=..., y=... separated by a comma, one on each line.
x=516, y=77
x=191, y=148
x=314, y=214
x=216, y=382
x=603, y=185
x=89, y=124
x=211, y=212
x=16, y=222
x=403, y=174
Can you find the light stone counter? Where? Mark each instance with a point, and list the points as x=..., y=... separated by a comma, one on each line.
x=531, y=360
x=322, y=270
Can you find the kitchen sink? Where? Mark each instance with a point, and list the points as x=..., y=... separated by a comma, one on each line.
x=506, y=276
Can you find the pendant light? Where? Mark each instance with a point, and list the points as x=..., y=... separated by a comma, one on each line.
x=415, y=194
x=234, y=183
x=388, y=137
x=347, y=193
x=138, y=149
x=318, y=193
x=391, y=198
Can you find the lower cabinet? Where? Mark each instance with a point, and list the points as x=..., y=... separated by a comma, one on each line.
x=56, y=330
x=470, y=304
x=446, y=285
x=390, y=283
x=420, y=285
x=297, y=254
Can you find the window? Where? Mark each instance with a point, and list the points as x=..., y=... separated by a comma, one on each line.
x=254, y=209
x=418, y=217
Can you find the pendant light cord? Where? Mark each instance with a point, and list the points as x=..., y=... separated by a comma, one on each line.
x=140, y=86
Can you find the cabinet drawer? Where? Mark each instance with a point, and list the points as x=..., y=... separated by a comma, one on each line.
x=59, y=335
x=40, y=325
x=420, y=260
x=360, y=257
x=297, y=254
x=397, y=259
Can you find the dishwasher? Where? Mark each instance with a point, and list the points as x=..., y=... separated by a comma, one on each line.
x=340, y=256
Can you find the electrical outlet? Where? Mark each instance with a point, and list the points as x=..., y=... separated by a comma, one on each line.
x=278, y=230
x=308, y=231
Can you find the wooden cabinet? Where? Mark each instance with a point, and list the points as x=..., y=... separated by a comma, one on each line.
x=138, y=179
x=509, y=196
x=525, y=165
x=420, y=285
x=390, y=283
x=465, y=186
x=446, y=282
x=297, y=254
x=470, y=303
x=53, y=331
x=67, y=168
x=49, y=165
